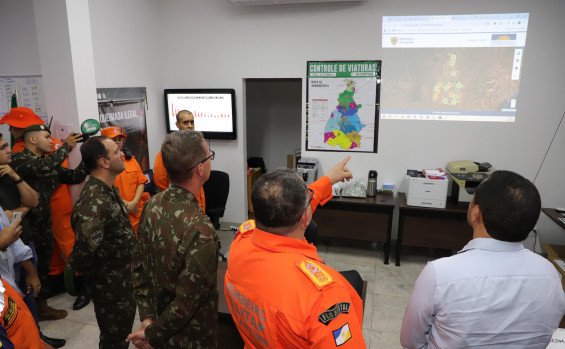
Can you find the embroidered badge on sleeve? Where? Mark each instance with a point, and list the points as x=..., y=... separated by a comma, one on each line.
x=342, y=335
x=327, y=316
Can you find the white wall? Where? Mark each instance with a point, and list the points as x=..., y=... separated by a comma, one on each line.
x=19, y=54
x=125, y=37
x=233, y=43
x=203, y=43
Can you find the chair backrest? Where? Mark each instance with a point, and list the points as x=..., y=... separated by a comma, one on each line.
x=150, y=186
x=216, y=191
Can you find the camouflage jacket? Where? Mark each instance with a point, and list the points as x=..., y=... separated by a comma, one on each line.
x=174, y=267
x=44, y=174
x=104, y=236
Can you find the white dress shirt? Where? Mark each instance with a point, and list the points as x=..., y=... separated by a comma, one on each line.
x=492, y=294
x=16, y=252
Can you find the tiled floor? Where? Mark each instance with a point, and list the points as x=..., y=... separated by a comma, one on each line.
x=388, y=290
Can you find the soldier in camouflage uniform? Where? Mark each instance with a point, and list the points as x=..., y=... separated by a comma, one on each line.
x=175, y=259
x=104, y=241
x=44, y=174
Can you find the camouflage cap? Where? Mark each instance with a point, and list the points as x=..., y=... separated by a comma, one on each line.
x=37, y=128
x=21, y=117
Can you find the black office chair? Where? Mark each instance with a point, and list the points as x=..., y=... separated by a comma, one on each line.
x=216, y=191
x=150, y=186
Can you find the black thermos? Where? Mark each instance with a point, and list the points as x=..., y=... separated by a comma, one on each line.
x=372, y=183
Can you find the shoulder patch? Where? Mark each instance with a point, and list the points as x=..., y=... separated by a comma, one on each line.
x=327, y=316
x=247, y=226
x=342, y=335
x=315, y=273
x=93, y=232
x=11, y=313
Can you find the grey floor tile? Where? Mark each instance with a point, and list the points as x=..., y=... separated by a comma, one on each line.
x=367, y=335
x=391, y=280
x=388, y=290
x=388, y=312
x=385, y=340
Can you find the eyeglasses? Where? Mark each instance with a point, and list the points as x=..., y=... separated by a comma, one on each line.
x=311, y=194
x=4, y=146
x=211, y=157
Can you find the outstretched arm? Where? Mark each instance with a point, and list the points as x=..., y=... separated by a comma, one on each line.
x=339, y=172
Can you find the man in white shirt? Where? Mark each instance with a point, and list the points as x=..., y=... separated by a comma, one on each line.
x=494, y=292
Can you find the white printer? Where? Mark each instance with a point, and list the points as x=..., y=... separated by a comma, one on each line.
x=425, y=192
x=308, y=169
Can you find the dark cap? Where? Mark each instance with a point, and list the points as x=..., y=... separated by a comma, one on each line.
x=37, y=128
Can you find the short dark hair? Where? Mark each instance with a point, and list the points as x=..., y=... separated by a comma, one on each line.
x=279, y=199
x=184, y=111
x=181, y=151
x=510, y=205
x=92, y=150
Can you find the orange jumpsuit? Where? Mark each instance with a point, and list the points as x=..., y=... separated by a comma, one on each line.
x=61, y=208
x=162, y=180
x=18, y=321
x=127, y=183
x=281, y=295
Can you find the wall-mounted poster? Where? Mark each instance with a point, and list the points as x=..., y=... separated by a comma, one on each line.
x=28, y=91
x=342, y=105
x=125, y=108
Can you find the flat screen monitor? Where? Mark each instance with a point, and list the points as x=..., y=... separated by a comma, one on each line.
x=213, y=110
x=454, y=68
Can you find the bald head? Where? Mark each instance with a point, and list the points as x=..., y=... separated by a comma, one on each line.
x=185, y=120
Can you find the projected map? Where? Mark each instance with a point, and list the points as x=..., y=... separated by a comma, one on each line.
x=453, y=67
x=451, y=79
x=447, y=90
x=342, y=99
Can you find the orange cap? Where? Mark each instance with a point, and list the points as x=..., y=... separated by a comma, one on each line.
x=112, y=132
x=21, y=117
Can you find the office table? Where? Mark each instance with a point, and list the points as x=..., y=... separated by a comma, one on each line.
x=554, y=215
x=432, y=227
x=365, y=219
x=556, y=251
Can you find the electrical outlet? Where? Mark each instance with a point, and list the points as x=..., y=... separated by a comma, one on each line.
x=233, y=228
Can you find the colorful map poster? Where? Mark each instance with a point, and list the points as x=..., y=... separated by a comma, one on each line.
x=342, y=110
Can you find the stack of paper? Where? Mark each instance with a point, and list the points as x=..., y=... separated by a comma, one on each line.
x=437, y=173
x=558, y=339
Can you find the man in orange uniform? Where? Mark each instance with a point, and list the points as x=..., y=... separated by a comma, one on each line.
x=61, y=202
x=131, y=182
x=279, y=292
x=185, y=121
x=18, y=321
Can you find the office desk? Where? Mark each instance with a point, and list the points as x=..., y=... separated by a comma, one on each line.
x=365, y=219
x=554, y=215
x=432, y=227
x=555, y=251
